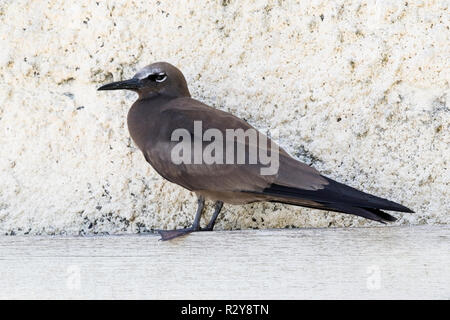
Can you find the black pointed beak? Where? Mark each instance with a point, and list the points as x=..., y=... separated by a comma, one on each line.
x=131, y=84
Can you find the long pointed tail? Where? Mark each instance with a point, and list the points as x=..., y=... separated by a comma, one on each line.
x=337, y=197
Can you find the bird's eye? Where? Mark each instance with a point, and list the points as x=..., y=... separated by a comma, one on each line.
x=160, y=77
x=157, y=77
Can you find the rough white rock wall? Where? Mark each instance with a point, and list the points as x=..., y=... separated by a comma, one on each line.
x=358, y=89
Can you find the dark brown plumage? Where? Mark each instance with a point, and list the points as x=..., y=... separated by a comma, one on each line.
x=165, y=104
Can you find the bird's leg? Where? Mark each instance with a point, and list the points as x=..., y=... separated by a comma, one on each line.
x=218, y=207
x=198, y=214
x=171, y=234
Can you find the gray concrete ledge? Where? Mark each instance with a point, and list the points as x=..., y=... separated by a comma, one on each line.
x=379, y=263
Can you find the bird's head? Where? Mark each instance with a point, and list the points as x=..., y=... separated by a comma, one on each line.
x=160, y=78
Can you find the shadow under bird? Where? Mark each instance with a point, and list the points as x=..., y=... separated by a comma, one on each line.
x=165, y=105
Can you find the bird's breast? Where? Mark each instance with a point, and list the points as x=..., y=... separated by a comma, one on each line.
x=141, y=121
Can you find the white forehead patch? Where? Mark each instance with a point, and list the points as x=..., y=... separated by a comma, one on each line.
x=147, y=71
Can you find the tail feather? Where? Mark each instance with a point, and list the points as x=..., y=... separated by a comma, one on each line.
x=349, y=194
x=383, y=215
x=336, y=192
x=338, y=197
x=368, y=213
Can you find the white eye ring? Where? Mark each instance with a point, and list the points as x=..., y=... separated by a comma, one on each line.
x=163, y=77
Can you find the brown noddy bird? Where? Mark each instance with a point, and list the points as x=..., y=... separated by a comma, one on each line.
x=165, y=104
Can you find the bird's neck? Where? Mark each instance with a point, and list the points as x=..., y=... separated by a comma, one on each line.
x=143, y=117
